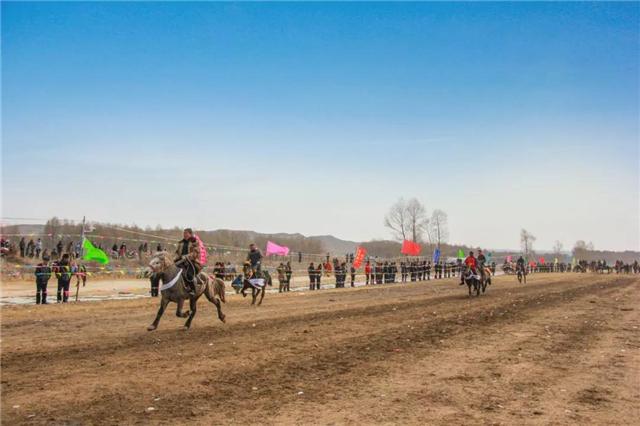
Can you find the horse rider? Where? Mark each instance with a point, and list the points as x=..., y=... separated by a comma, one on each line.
x=482, y=260
x=188, y=259
x=520, y=264
x=254, y=257
x=472, y=263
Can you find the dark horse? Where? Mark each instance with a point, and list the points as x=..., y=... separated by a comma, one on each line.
x=174, y=289
x=256, y=290
x=472, y=281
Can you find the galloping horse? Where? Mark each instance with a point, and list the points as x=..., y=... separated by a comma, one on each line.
x=174, y=289
x=485, y=277
x=471, y=280
x=252, y=281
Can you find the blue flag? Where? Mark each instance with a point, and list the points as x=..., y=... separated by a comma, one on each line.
x=436, y=255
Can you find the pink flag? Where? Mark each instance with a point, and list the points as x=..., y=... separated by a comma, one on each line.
x=203, y=251
x=509, y=258
x=273, y=248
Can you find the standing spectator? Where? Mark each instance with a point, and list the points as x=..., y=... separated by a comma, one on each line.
x=311, y=270
x=140, y=251
x=22, y=246
x=43, y=274
x=31, y=246
x=353, y=276
x=123, y=250
x=145, y=247
x=38, y=248
x=428, y=270
x=70, y=248
x=281, y=277
x=287, y=273
x=367, y=272
x=82, y=274
x=318, y=275
x=62, y=270
x=78, y=250
x=114, y=250
x=159, y=247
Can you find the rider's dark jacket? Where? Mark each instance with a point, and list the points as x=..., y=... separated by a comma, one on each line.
x=254, y=256
x=190, y=249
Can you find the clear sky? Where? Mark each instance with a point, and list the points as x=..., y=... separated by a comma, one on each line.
x=316, y=117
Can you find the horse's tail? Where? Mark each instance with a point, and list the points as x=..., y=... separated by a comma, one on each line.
x=215, y=287
x=218, y=289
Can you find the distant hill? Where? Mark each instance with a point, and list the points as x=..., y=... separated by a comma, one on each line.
x=335, y=245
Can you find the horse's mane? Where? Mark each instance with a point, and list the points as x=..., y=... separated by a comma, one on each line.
x=165, y=258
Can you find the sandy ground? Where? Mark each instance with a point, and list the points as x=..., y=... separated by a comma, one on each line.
x=562, y=349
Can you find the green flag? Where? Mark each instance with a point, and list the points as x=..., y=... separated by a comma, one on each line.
x=460, y=254
x=92, y=253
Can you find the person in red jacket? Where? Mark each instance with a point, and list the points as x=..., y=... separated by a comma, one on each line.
x=367, y=271
x=472, y=263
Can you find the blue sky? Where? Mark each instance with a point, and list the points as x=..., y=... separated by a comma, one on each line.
x=316, y=117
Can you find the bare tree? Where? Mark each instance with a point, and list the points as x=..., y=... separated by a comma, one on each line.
x=51, y=228
x=417, y=219
x=396, y=220
x=439, y=231
x=557, y=249
x=581, y=249
x=526, y=242
x=407, y=219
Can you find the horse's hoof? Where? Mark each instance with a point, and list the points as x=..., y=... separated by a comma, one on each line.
x=223, y=318
x=151, y=327
x=185, y=328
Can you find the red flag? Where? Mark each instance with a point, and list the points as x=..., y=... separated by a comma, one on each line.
x=410, y=248
x=360, y=253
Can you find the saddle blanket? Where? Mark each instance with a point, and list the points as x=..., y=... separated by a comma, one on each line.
x=257, y=282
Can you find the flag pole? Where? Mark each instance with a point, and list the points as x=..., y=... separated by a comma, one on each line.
x=77, y=260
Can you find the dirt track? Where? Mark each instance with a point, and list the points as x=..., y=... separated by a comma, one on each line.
x=563, y=349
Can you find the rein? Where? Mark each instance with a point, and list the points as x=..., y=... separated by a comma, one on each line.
x=171, y=283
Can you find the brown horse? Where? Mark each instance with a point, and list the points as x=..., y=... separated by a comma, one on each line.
x=174, y=289
x=256, y=290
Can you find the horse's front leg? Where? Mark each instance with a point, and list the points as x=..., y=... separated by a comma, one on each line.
x=163, y=305
x=264, y=290
x=253, y=295
x=218, y=304
x=192, y=308
x=179, y=312
x=243, y=291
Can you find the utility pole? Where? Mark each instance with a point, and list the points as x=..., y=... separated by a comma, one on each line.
x=81, y=256
x=82, y=237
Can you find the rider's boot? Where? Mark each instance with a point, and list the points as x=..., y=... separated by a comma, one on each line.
x=192, y=287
